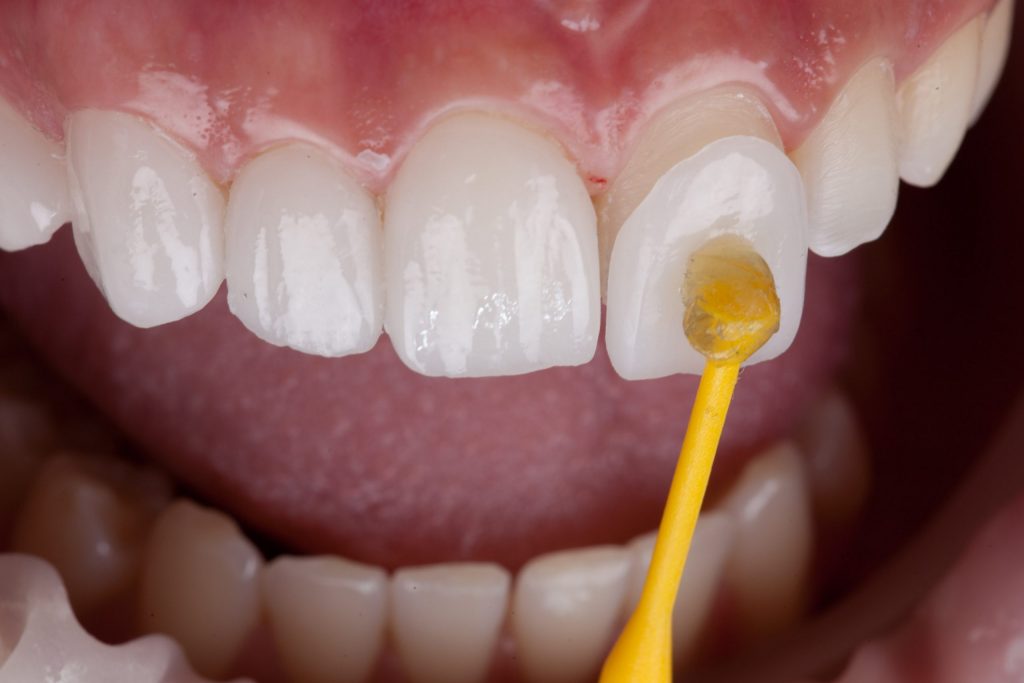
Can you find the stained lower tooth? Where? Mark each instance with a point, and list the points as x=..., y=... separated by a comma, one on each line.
x=768, y=567
x=935, y=106
x=849, y=163
x=89, y=517
x=739, y=185
x=200, y=585
x=328, y=617
x=304, y=253
x=490, y=253
x=564, y=612
x=148, y=221
x=995, y=46
x=712, y=543
x=33, y=183
x=446, y=620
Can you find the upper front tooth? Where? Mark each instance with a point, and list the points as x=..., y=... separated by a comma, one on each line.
x=935, y=106
x=995, y=46
x=849, y=163
x=491, y=253
x=738, y=185
x=148, y=221
x=33, y=183
x=303, y=254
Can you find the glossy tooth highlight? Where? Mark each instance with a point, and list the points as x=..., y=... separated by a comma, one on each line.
x=995, y=46
x=490, y=253
x=328, y=617
x=34, y=199
x=200, y=585
x=304, y=253
x=711, y=547
x=935, y=104
x=768, y=567
x=446, y=620
x=148, y=221
x=849, y=163
x=41, y=641
x=565, y=609
x=738, y=185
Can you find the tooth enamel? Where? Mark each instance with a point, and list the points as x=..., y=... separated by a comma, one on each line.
x=838, y=465
x=712, y=542
x=564, y=612
x=76, y=518
x=446, y=620
x=849, y=163
x=200, y=585
x=995, y=46
x=767, y=570
x=935, y=106
x=738, y=185
x=40, y=641
x=327, y=615
x=148, y=221
x=490, y=253
x=678, y=132
x=303, y=254
x=33, y=183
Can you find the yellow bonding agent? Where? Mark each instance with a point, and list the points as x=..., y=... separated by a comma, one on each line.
x=731, y=310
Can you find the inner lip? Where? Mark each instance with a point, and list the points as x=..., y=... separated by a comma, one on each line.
x=908, y=396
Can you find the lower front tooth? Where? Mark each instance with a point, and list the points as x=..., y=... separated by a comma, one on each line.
x=565, y=611
x=490, y=253
x=738, y=185
x=711, y=546
x=328, y=617
x=33, y=183
x=935, y=106
x=446, y=620
x=304, y=254
x=768, y=568
x=849, y=163
x=200, y=585
x=148, y=221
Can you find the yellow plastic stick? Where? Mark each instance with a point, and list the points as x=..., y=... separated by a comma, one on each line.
x=731, y=310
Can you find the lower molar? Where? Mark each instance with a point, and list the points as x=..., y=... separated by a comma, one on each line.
x=738, y=185
x=490, y=253
x=303, y=254
x=148, y=221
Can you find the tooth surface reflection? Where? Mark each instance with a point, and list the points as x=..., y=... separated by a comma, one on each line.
x=490, y=253
x=304, y=254
x=328, y=616
x=148, y=221
x=34, y=199
x=446, y=620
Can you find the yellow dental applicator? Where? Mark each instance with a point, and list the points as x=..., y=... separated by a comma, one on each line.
x=731, y=310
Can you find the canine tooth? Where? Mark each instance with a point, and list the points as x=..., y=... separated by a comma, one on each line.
x=739, y=185
x=490, y=253
x=446, y=620
x=995, y=46
x=935, y=106
x=148, y=221
x=767, y=569
x=328, y=617
x=712, y=542
x=849, y=163
x=200, y=585
x=565, y=610
x=33, y=183
x=304, y=254
x=678, y=132
x=89, y=517
x=41, y=641
x=838, y=465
